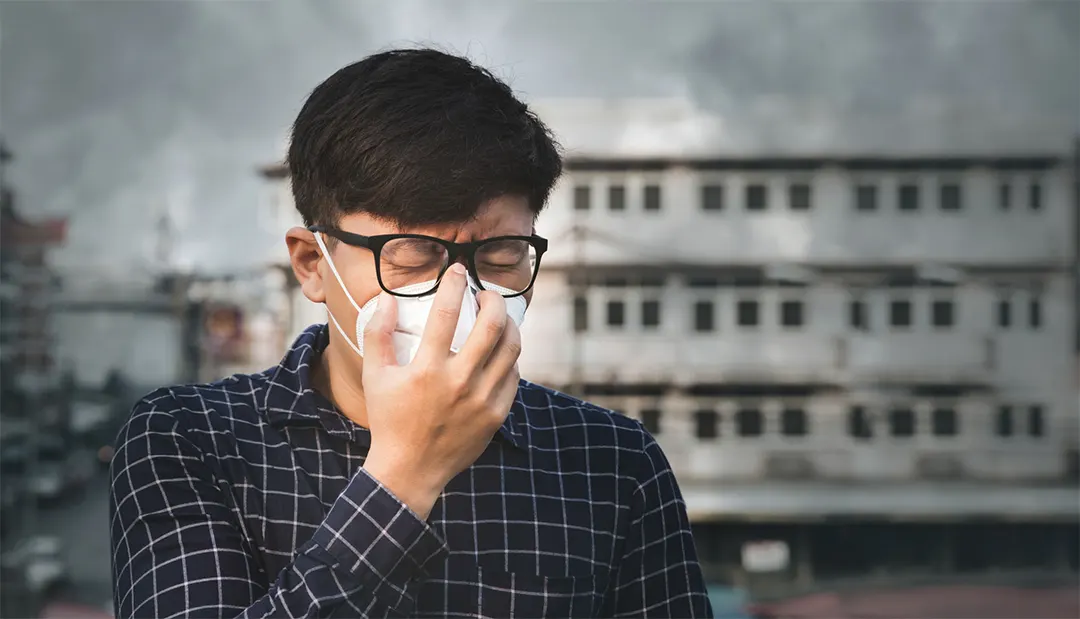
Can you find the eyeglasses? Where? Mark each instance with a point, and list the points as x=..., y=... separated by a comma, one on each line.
x=412, y=265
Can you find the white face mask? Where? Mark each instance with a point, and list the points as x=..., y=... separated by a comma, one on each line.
x=412, y=313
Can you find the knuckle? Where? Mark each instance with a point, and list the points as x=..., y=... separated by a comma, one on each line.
x=446, y=313
x=496, y=325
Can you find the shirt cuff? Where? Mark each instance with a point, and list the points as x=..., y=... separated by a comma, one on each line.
x=376, y=538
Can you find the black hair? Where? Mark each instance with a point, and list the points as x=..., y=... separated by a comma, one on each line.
x=416, y=136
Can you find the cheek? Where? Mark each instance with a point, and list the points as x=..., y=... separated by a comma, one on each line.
x=359, y=277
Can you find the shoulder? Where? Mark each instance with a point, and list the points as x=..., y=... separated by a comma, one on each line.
x=549, y=413
x=197, y=410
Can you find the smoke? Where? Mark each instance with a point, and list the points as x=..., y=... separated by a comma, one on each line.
x=118, y=110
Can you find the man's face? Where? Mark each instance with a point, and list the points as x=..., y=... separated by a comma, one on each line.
x=504, y=216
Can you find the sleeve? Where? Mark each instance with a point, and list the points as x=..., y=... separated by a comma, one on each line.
x=178, y=550
x=659, y=574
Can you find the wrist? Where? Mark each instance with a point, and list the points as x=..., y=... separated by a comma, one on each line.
x=406, y=482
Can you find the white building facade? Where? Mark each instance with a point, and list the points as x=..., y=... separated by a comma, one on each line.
x=833, y=318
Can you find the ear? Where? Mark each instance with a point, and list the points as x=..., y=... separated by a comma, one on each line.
x=305, y=256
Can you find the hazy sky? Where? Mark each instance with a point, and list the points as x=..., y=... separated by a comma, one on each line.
x=115, y=109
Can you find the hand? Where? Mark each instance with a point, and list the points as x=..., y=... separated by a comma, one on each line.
x=431, y=419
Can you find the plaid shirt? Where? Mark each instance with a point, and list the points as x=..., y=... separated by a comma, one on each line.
x=247, y=497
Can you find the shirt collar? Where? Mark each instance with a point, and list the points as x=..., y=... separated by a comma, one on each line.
x=290, y=397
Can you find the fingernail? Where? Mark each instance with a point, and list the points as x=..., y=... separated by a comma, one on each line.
x=380, y=303
x=458, y=268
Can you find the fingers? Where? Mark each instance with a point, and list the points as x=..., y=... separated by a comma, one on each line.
x=489, y=329
x=441, y=323
x=505, y=392
x=503, y=359
x=378, y=333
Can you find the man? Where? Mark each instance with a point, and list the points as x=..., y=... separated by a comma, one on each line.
x=394, y=464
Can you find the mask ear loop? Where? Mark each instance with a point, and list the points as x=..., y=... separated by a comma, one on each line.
x=333, y=269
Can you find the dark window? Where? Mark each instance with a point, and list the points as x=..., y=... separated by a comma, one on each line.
x=703, y=316
x=617, y=198
x=900, y=313
x=902, y=422
x=1005, y=196
x=908, y=200
x=581, y=198
x=944, y=422
x=616, y=313
x=950, y=197
x=859, y=423
x=1004, y=425
x=793, y=422
x=1035, y=313
x=747, y=313
x=749, y=422
x=1004, y=313
x=712, y=197
x=858, y=315
x=650, y=418
x=650, y=313
x=652, y=197
x=942, y=313
x=866, y=198
x=799, y=197
x=1035, y=196
x=702, y=281
x=757, y=197
x=1035, y=420
x=706, y=424
x=581, y=314
x=791, y=313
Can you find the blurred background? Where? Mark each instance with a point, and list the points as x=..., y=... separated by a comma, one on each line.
x=825, y=251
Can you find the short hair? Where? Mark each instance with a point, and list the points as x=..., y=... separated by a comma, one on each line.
x=417, y=137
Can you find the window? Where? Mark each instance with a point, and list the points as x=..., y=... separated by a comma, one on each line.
x=858, y=315
x=616, y=197
x=581, y=314
x=652, y=197
x=703, y=316
x=581, y=198
x=791, y=313
x=1035, y=420
x=756, y=197
x=866, y=198
x=950, y=197
x=749, y=422
x=908, y=198
x=650, y=313
x=1035, y=196
x=747, y=313
x=900, y=313
x=650, y=418
x=799, y=197
x=859, y=423
x=793, y=422
x=1004, y=425
x=1004, y=313
x=944, y=422
x=941, y=312
x=712, y=197
x=1005, y=196
x=902, y=422
x=616, y=313
x=706, y=423
x=1035, y=313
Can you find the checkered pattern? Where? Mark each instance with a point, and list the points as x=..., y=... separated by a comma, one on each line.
x=246, y=497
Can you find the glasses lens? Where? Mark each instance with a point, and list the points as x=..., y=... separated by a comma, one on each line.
x=408, y=263
x=506, y=266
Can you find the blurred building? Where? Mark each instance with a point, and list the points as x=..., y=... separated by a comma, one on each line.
x=854, y=363
x=28, y=368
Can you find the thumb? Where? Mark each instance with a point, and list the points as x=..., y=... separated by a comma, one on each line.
x=378, y=334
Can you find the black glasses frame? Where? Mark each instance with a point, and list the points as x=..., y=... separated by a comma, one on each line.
x=454, y=251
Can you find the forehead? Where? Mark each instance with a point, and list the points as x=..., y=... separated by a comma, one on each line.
x=502, y=216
